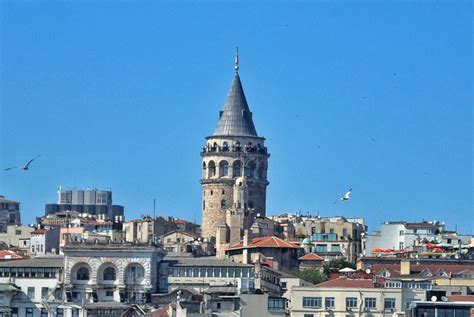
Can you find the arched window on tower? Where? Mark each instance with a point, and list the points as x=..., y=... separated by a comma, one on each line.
x=223, y=204
x=223, y=168
x=203, y=205
x=211, y=169
x=262, y=170
x=237, y=169
x=203, y=169
x=250, y=169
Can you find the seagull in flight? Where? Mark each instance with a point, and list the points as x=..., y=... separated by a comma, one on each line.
x=346, y=196
x=24, y=167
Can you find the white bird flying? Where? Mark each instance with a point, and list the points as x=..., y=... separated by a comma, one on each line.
x=346, y=196
x=24, y=167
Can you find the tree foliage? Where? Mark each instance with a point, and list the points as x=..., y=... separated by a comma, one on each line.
x=337, y=264
x=312, y=275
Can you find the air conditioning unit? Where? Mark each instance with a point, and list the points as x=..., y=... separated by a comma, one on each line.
x=366, y=309
x=392, y=309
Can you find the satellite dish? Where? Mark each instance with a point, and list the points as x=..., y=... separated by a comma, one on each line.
x=367, y=271
x=434, y=298
x=444, y=298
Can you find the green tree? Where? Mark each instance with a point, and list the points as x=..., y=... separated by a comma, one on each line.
x=312, y=275
x=337, y=264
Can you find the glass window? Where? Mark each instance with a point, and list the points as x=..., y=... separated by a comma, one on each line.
x=44, y=292
x=217, y=272
x=308, y=315
x=189, y=272
x=14, y=312
x=209, y=272
x=135, y=273
x=351, y=302
x=231, y=272
x=314, y=302
x=83, y=274
x=370, y=303
x=59, y=312
x=329, y=302
x=195, y=272
x=389, y=303
x=223, y=272
x=75, y=312
x=44, y=312
x=109, y=274
x=29, y=312
x=203, y=272
x=275, y=303
x=31, y=292
x=238, y=272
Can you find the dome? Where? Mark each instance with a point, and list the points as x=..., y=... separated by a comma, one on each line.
x=306, y=241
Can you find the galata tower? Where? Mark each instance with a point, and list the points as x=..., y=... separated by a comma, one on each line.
x=233, y=156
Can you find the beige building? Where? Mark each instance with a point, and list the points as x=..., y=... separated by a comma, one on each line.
x=17, y=236
x=346, y=298
x=333, y=237
x=144, y=230
x=177, y=241
x=233, y=157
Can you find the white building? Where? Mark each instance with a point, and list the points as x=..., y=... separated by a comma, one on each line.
x=401, y=235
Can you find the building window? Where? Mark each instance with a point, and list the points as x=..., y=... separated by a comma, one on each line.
x=31, y=292
x=329, y=302
x=109, y=274
x=321, y=248
x=14, y=312
x=389, y=303
x=283, y=285
x=223, y=168
x=29, y=312
x=75, y=312
x=203, y=205
x=236, y=169
x=18, y=232
x=82, y=274
x=211, y=169
x=109, y=293
x=314, y=302
x=351, y=302
x=344, y=232
x=135, y=273
x=59, y=312
x=401, y=233
x=44, y=292
x=218, y=305
x=223, y=204
x=308, y=315
x=44, y=312
x=335, y=248
x=370, y=303
x=401, y=245
x=276, y=303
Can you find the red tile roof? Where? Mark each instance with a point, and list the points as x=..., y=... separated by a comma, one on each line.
x=311, y=257
x=264, y=242
x=461, y=298
x=9, y=255
x=394, y=269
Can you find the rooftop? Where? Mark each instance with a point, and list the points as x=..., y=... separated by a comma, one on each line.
x=50, y=261
x=236, y=118
x=210, y=261
x=311, y=257
x=264, y=242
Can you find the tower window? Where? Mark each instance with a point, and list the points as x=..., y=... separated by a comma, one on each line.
x=223, y=204
x=223, y=192
x=211, y=169
x=223, y=168
x=250, y=204
x=203, y=205
x=212, y=192
x=250, y=169
x=237, y=172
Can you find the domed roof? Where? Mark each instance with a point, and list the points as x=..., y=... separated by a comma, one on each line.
x=306, y=241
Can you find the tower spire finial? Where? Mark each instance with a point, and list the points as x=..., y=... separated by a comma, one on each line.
x=236, y=67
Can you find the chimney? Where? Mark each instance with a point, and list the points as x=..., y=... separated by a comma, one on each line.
x=405, y=267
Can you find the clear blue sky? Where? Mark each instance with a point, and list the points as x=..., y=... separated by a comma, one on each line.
x=122, y=95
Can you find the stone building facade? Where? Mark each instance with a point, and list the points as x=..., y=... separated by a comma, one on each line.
x=234, y=152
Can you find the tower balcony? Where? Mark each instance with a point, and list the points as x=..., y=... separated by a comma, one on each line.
x=252, y=149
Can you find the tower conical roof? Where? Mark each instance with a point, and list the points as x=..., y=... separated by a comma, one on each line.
x=236, y=118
